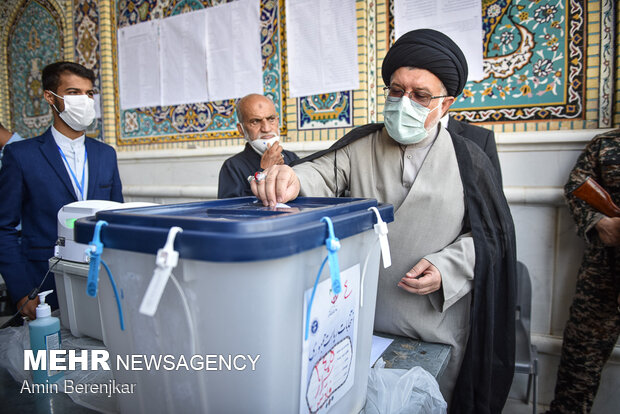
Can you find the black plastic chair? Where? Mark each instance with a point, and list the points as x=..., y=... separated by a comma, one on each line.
x=526, y=354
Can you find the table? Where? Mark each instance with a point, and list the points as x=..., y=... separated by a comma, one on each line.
x=406, y=353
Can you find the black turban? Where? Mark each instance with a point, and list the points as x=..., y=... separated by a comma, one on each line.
x=431, y=50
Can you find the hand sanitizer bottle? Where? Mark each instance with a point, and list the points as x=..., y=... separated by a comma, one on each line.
x=45, y=336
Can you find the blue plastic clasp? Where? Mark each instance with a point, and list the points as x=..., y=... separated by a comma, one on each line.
x=333, y=245
x=95, y=248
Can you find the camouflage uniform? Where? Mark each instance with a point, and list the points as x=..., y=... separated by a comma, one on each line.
x=594, y=322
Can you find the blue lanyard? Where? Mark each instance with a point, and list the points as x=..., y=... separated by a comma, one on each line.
x=79, y=185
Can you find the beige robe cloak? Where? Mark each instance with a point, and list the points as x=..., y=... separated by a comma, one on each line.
x=428, y=222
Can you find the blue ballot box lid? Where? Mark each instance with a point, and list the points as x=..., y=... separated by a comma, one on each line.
x=234, y=229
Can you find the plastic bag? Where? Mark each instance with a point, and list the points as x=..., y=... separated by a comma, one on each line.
x=14, y=340
x=99, y=401
x=396, y=391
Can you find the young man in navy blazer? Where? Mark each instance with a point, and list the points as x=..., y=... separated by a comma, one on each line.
x=42, y=174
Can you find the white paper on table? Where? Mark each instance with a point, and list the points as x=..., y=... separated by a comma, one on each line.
x=234, y=57
x=322, y=46
x=138, y=65
x=329, y=352
x=184, y=58
x=379, y=345
x=461, y=20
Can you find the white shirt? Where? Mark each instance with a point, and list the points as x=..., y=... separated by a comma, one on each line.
x=444, y=120
x=74, y=150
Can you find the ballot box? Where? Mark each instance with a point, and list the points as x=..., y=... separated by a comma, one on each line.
x=78, y=311
x=257, y=315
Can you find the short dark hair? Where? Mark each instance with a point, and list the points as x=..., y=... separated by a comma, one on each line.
x=51, y=74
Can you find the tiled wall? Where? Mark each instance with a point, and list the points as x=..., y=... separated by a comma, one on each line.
x=567, y=83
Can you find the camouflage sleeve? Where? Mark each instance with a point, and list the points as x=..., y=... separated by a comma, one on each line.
x=587, y=165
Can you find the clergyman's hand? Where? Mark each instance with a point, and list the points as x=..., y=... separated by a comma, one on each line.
x=279, y=185
x=609, y=230
x=272, y=156
x=29, y=309
x=422, y=279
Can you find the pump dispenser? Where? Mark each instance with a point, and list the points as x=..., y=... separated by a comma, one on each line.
x=45, y=336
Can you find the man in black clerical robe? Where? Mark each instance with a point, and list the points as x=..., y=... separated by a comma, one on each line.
x=354, y=164
x=483, y=137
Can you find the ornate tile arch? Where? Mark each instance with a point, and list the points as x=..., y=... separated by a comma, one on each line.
x=35, y=38
x=39, y=32
x=204, y=120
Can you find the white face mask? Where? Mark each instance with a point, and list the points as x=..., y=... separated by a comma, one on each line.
x=79, y=111
x=404, y=119
x=260, y=145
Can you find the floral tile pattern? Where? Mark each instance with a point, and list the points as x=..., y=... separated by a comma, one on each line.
x=327, y=110
x=533, y=62
x=34, y=40
x=87, y=49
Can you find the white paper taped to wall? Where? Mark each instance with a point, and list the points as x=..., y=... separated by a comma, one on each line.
x=184, y=58
x=322, y=46
x=193, y=57
x=234, y=57
x=138, y=65
x=461, y=20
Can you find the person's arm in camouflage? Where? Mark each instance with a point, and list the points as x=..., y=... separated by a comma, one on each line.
x=585, y=216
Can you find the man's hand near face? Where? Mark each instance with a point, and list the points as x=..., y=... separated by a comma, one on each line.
x=273, y=156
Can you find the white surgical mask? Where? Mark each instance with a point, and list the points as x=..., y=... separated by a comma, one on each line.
x=260, y=145
x=79, y=111
x=404, y=119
